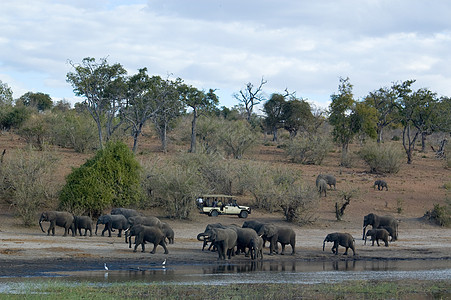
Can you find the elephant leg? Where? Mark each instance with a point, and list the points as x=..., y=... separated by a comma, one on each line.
x=120, y=233
x=377, y=241
x=104, y=229
x=283, y=249
x=346, y=251
x=154, y=248
x=163, y=244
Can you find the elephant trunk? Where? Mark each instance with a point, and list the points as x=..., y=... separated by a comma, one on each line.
x=97, y=226
x=324, y=244
x=365, y=240
x=364, y=228
x=40, y=224
x=202, y=236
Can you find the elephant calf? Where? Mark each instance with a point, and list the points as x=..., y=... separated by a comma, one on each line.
x=330, y=180
x=376, y=235
x=381, y=184
x=256, y=248
x=151, y=234
x=343, y=239
x=322, y=187
x=168, y=232
x=83, y=222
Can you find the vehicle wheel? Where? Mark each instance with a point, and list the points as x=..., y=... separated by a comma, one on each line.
x=214, y=213
x=243, y=214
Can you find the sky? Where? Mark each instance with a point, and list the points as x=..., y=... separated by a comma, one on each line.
x=303, y=46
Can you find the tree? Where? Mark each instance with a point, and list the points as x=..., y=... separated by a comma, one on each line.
x=111, y=178
x=343, y=117
x=170, y=108
x=103, y=87
x=6, y=94
x=407, y=106
x=237, y=137
x=274, y=113
x=141, y=104
x=384, y=101
x=199, y=102
x=296, y=114
x=250, y=97
x=40, y=101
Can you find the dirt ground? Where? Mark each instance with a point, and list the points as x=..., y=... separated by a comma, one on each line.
x=413, y=191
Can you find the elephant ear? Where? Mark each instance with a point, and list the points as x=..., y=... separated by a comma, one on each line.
x=270, y=230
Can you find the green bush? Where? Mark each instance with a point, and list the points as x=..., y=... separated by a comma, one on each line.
x=309, y=150
x=382, y=158
x=26, y=182
x=111, y=178
x=13, y=117
x=440, y=215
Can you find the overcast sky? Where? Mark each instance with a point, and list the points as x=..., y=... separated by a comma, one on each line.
x=304, y=46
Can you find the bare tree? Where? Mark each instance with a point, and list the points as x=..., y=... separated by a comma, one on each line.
x=250, y=97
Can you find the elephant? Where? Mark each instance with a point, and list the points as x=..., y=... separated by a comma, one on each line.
x=330, y=179
x=391, y=231
x=322, y=186
x=168, y=232
x=83, y=222
x=126, y=212
x=381, y=184
x=244, y=238
x=151, y=234
x=377, y=221
x=256, y=225
x=256, y=248
x=224, y=239
x=376, y=235
x=343, y=239
x=58, y=218
x=148, y=221
x=112, y=222
x=281, y=234
x=207, y=229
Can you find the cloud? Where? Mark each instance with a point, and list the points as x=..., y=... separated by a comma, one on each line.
x=304, y=46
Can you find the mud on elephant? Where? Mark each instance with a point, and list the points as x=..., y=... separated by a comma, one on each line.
x=58, y=218
x=343, y=239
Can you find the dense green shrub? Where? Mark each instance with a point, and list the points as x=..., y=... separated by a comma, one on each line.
x=440, y=215
x=26, y=182
x=111, y=178
x=13, y=117
x=36, y=130
x=309, y=150
x=382, y=158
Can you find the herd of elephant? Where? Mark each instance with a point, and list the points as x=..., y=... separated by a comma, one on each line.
x=230, y=240
x=323, y=180
x=144, y=228
x=227, y=240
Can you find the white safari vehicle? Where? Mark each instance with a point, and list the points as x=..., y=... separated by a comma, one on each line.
x=214, y=205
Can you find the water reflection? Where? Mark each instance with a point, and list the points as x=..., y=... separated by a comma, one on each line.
x=220, y=273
